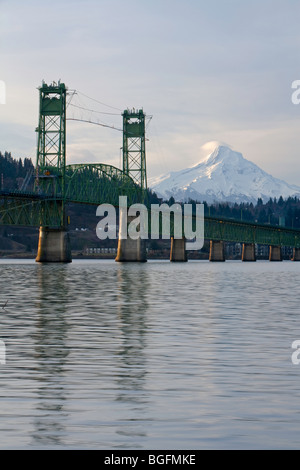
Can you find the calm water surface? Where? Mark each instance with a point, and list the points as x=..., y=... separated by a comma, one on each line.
x=149, y=356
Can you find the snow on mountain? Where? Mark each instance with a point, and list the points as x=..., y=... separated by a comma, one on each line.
x=224, y=175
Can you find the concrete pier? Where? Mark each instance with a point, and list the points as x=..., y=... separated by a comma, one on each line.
x=275, y=253
x=296, y=254
x=216, y=251
x=54, y=246
x=129, y=249
x=248, y=252
x=178, y=251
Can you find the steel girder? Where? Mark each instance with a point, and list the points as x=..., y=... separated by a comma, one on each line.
x=34, y=210
x=84, y=183
x=234, y=231
x=30, y=210
x=99, y=184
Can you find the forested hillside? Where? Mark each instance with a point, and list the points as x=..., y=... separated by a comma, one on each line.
x=13, y=171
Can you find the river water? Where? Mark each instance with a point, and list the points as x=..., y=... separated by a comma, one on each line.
x=157, y=355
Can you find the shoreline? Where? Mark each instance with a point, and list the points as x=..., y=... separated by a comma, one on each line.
x=150, y=256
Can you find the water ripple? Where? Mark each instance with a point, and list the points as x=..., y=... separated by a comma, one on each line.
x=157, y=355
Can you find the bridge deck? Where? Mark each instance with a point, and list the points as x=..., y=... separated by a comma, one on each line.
x=33, y=209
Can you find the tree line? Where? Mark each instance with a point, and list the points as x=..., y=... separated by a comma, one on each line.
x=275, y=211
x=13, y=171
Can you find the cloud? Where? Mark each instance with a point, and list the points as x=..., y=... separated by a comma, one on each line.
x=207, y=71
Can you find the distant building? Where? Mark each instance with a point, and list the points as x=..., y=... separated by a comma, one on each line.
x=233, y=250
x=95, y=251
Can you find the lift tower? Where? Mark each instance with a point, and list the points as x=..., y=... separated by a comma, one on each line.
x=134, y=154
x=51, y=170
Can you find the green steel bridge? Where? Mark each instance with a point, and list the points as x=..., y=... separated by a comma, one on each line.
x=56, y=184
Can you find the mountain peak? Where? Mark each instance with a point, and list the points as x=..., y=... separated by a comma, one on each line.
x=215, y=152
x=222, y=174
x=223, y=153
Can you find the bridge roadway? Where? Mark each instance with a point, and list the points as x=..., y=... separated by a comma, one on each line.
x=32, y=209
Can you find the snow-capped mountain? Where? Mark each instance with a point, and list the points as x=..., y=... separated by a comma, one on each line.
x=224, y=175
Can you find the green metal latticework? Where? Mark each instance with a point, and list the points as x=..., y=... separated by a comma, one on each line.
x=30, y=210
x=99, y=184
x=229, y=230
x=51, y=146
x=134, y=152
x=234, y=231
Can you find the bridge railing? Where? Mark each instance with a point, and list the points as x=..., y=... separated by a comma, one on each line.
x=229, y=230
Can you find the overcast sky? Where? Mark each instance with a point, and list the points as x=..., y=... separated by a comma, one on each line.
x=217, y=70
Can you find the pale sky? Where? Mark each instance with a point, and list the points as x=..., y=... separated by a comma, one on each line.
x=217, y=70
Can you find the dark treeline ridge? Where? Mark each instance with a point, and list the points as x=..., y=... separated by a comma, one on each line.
x=274, y=211
x=13, y=171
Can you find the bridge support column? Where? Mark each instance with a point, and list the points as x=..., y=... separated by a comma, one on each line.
x=129, y=249
x=275, y=253
x=216, y=251
x=178, y=251
x=54, y=246
x=248, y=252
x=296, y=254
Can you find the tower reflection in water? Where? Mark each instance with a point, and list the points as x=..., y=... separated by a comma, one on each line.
x=51, y=353
x=132, y=314
x=90, y=341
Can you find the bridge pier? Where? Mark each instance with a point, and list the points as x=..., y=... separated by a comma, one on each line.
x=248, y=252
x=129, y=249
x=216, y=251
x=275, y=253
x=54, y=246
x=296, y=254
x=178, y=251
